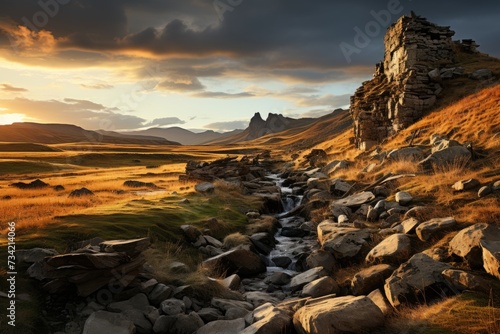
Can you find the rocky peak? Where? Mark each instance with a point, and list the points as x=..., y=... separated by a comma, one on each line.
x=274, y=123
x=401, y=89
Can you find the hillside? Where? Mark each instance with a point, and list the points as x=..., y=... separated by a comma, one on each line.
x=66, y=133
x=183, y=136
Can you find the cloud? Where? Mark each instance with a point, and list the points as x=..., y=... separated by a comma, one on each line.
x=181, y=86
x=315, y=113
x=97, y=86
x=86, y=114
x=165, y=121
x=324, y=100
x=10, y=88
x=227, y=126
x=223, y=95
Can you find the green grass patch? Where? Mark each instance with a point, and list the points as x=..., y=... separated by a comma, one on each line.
x=28, y=167
x=158, y=218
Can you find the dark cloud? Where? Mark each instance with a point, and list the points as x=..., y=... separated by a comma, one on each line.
x=181, y=86
x=227, y=126
x=12, y=89
x=165, y=121
x=223, y=95
x=85, y=113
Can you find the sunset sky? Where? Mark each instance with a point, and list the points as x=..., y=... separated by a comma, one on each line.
x=201, y=64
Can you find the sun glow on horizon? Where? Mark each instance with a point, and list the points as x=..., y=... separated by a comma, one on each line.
x=6, y=119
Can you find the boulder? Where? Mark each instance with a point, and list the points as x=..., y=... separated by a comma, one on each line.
x=34, y=255
x=236, y=261
x=223, y=327
x=37, y=184
x=409, y=225
x=484, y=191
x=467, y=243
x=258, y=298
x=491, y=255
x=173, y=306
x=406, y=154
x=232, y=282
x=355, y=200
x=466, y=185
x=482, y=74
x=379, y=299
x=463, y=280
x=191, y=233
x=279, y=278
x=347, y=314
x=159, y=293
x=416, y=281
x=130, y=247
x=434, y=226
x=320, y=287
x=226, y=304
x=138, y=302
x=370, y=278
x=81, y=192
x=106, y=322
x=393, y=249
x=447, y=157
x=205, y=187
x=322, y=258
x=403, y=198
x=141, y=323
x=139, y=184
x=282, y=261
x=345, y=242
x=184, y=324
x=300, y=280
x=268, y=319
x=209, y=314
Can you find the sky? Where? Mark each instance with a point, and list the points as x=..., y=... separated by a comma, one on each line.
x=202, y=64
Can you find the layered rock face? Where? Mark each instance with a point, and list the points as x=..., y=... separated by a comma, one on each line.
x=402, y=88
x=274, y=123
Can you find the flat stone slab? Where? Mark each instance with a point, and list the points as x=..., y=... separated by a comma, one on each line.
x=356, y=200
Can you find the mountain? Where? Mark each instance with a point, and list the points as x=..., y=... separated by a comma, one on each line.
x=67, y=133
x=275, y=123
x=183, y=136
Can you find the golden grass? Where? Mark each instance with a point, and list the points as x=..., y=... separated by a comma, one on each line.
x=234, y=240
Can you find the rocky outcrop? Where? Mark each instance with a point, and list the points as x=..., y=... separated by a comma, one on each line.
x=402, y=89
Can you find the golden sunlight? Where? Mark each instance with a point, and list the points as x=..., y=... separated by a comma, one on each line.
x=10, y=118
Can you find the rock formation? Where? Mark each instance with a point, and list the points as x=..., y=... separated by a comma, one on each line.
x=402, y=88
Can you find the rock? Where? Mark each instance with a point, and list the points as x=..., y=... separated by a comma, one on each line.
x=403, y=197
x=34, y=255
x=320, y=287
x=164, y=324
x=347, y=314
x=212, y=241
x=88, y=260
x=484, y=191
x=81, y=192
x=107, y=322
x=355, y=200
x=139, y=184
x=160, y=293
x=37, y=184
x=467, y=243
x=223, y=327
x=173, y=306
x=416, y=281
x=435, y=75
x=447, y=157
x=59, y=188
x=465, y=185
x=142, y=324
x=191, y=233
x=444, y=144
x=226, y=304
x=209, y=314
x=279, y=278
x=378, y=298
x=339, y=210
x=232, y=282
x=300, y=280
x=394, y=249
x=186, y=324
x=205, y=187
x=316, y=158
x=491, y=255
x=322, y=258
x=482, y=74
x=258, y=298
x=138, y=302
x=236, y=261
x=370, y=278
x=282, y=261
x=131, y=247
x=268, y=319
x=381, y=191
x=339, y=187
x=462, y=280
x=409, y=225
x=177, y=267
x=236, y=313
x=342, y=219
x=345, y=242
x=434, y=226
x=406, y=154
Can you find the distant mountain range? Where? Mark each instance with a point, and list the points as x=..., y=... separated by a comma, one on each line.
x=183, y=136
x=67, y=133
